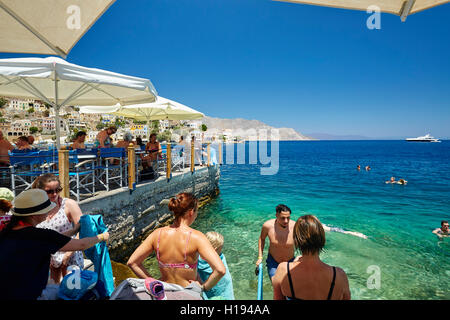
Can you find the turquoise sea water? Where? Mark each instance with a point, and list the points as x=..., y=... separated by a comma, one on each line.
x=320, y=178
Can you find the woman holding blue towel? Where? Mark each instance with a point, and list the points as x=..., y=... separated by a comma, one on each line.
x=26, y=250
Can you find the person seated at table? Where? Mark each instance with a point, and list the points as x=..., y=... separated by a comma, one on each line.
x=103, y=139
x=153, y=150
x=30, y=140
x=125, y=142
x=78, y=142
x=22, y=143
x=139, y=142
x=5, y=146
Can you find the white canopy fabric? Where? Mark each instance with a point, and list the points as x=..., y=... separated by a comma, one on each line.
x=99, y=109
x=60, y=83
x=161, y=109
x=34, y=78
x=47, y=26
x=398, y=7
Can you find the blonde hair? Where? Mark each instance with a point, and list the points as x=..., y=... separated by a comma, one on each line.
x=215, y=238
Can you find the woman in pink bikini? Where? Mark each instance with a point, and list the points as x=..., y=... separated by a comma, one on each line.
x=177, y=248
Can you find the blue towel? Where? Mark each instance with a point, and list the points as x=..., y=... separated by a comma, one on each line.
x=224, y=288
x=92, y=225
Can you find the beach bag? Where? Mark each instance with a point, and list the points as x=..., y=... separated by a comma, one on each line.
x=76, y=284
x=96, y=293
x=147, y=174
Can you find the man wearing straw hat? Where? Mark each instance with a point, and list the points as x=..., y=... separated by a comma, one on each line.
x=26, y=250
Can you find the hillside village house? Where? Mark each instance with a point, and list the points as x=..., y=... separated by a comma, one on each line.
x=73, y=122
x=164, y=124
x=24, y=105
x=194, y=124
x=139, y=130
x=108, y=119
x=5, y=126
x=48, y=125
x=19, y=128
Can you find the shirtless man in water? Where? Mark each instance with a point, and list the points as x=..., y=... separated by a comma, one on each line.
x=279, y=231
x=442, y=232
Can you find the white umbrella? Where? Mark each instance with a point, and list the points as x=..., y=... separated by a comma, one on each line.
x=401, y=8
x=47, y=26
x=60, y=83
x=161, y=109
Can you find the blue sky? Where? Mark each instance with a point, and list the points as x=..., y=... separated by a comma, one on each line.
x=311, y=68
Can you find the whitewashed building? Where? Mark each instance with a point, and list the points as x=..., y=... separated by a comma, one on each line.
x=139, y=130
x=19, y=128
x=25, y=104
x=48, y=125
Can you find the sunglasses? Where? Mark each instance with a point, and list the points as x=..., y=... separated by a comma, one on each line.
x=57, y=190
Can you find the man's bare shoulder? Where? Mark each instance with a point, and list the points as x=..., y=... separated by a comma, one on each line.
x=269, y=223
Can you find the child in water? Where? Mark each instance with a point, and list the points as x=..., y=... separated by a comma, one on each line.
x=224, y=288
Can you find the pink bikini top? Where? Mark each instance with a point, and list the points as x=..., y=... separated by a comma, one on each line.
x=183, y=265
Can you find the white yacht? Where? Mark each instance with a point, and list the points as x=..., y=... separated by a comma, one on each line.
x=426, y=138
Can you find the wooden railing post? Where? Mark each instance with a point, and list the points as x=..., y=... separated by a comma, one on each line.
x=169, y=161
x=63, y=169
x=208, y=149
x=131, y=167
x=192, y=156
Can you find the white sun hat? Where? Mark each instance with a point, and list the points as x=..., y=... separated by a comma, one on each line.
x=32, y=202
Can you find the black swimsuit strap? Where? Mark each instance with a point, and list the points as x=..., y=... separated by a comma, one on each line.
x=332, y=284
x=290, y=282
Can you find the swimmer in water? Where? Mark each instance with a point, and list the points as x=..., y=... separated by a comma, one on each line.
x=442, y=232
x=392, y=180
x=402, y=181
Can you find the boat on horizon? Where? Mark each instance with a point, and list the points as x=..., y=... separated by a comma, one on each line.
x=425, y=138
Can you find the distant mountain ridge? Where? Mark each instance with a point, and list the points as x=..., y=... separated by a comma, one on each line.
x=242, y=125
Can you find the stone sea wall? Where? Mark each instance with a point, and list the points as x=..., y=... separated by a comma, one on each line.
x=130, y=217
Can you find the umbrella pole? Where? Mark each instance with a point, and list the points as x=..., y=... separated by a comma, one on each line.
x=57, y=121
x=57, y=127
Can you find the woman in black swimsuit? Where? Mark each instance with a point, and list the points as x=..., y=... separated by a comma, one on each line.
x=307, y=277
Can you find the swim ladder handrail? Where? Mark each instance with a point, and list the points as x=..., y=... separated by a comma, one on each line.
x=260, y=282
